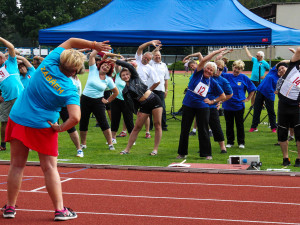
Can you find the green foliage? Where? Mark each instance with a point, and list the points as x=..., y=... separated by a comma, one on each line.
x=179, y=65
x=255, y=3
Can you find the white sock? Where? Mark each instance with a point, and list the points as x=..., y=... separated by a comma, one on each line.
x=194, y=130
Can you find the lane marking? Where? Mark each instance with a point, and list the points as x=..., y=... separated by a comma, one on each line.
x=75, y=171
x=37, y=189
x=22, y=180
x=169, y=217
x=177, y=183
x=168, y=198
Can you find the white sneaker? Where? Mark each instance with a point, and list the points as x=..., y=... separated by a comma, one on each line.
x=229, y=146
x=241, y=146
x=111, y=147
x=79, y=153
x=83, y=146
x=114, y=141
x=134, y=143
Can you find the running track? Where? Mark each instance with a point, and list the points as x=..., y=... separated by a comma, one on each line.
x=108, y=196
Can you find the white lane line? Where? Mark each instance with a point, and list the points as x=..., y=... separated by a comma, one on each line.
x=169, y=198
x=170, y=217
x=177, y=183
x=37, y=189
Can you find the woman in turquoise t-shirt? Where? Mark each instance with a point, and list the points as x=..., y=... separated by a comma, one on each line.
x=93, y=101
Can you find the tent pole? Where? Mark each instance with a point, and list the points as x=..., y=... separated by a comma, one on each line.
x=192, y=49
x=270, y=60
x=40, y=50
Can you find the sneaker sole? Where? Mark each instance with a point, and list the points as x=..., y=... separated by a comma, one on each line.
x=65, y=218
x=9, y=216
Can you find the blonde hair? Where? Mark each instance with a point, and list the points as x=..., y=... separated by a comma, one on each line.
x=238, y=63
x=71, y=58
x=213, y=65
x=220, y=62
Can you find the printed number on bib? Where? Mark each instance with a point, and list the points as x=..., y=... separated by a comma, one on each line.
x=3, y=74
x=201, y=89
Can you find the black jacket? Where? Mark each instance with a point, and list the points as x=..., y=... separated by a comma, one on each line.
x=136, y=88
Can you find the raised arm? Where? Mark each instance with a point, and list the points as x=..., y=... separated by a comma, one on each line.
x=92, y=60
x=141, y=48
x=39, y=58
x=197, y=54
x=81, y=43
x=208, y=58
x=221, y=55
x=10, y=46
x=130, y=67
x=248, y=52
x=25, y=61
x=296, y=56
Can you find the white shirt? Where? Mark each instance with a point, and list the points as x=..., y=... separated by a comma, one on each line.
x=146, y=72
x=162, y=72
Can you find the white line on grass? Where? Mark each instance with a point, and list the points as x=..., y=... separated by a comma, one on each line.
x=37, y=189
x=177, y=183
x=170, y=217
x=169, y=198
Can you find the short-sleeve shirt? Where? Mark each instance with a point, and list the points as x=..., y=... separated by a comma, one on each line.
x=48, y=92
x=77, y=84
x=162, y=72
x=263, y=65
x=224, y=84
x=194, y=100
x=268, y=86
x=289, y=91
x=146, y=72
x=26, y=79
x=10, y=85
x=239, y=85
x=120, y=85
x=95, y=87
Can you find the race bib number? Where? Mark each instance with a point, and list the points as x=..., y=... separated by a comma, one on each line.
x=291, y=85
x=201, y=89
x=3, y=74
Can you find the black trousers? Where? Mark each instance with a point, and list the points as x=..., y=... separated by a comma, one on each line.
x=119, y=107
x=97, y=107
x=215, y=125
x=238, y=117
x=161, y=95
x=202, y=118
x=258, y=105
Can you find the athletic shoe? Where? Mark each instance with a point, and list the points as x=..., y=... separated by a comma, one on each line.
x=79, y=153
x=9, y=211
x=274, y=130
x=66, y=214
x=181, y=157
x=229, y=145
x=111, y=147
x=192, y=133
x=83, y=146
x=148, y=135
x=210, y=133
x=208, y=158
x=114, y=141
x=252, y=130
x=291, y=138
x=286, y=162
x=223, y=151
x=297, y=163
x=2, y=148
x=122, y=134
x=241, y=146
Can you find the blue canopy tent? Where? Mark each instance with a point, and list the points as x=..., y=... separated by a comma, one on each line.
x=174, y=23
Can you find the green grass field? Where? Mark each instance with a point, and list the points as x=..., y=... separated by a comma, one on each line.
x=257, y=143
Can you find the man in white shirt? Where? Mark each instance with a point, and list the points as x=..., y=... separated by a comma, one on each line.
x=146, y=72
x=162, y=89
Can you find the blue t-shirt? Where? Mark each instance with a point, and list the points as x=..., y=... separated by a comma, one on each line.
x=255, y=68
x=12, y=86
x=239, y=85
x=224, y=84
x=194, y=100
x=120, y=85
x=95, y=87
x=48, y=92
x=26, y=79
x=268, y=86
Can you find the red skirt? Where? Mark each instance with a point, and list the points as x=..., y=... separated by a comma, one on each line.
x=44, y=140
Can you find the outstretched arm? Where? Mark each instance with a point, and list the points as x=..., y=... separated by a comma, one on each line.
x=10, y=46
x=130, y=67
x=247, y=52
x=197, y=54
x=220, y=56
x=208, y=58
x=25, y=61
x=81, y=43
x=296, y=56
x=141, y=48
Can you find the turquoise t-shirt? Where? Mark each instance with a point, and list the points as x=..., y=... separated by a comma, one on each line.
x=26, y=79
x=48, y=92
x=120, y=85
x=11, y=86
x=95, y=87
x=255, y=69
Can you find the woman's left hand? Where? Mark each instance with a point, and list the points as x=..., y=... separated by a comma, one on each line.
x=105, y=101
x=55, y=126
x=210, y=102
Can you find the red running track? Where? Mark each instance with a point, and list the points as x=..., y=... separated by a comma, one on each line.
x=105, y=196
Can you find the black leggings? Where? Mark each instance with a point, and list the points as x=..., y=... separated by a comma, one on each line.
x=64, y=115
x=117, y=107
x=97, y=107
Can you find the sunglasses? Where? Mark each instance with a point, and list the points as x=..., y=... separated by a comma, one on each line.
x=220, y=69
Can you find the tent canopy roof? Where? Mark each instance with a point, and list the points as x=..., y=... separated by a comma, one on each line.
x=175, y=23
